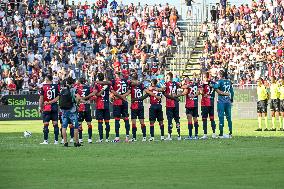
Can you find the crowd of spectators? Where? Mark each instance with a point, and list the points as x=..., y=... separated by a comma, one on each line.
x=246, y=40
x=81, y=40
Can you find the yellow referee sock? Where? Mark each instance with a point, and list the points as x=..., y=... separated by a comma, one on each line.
x=273, y=122
x=266, y=122
x=283, y=122
x=259, y=122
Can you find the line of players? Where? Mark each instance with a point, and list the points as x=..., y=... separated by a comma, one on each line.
x=118, y=90
x=275, y=92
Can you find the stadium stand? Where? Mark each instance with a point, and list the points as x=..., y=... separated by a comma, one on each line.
x=81, y=40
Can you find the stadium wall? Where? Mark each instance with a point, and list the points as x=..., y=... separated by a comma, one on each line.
x=25, y=107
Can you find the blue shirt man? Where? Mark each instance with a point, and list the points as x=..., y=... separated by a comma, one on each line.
x=224, y=106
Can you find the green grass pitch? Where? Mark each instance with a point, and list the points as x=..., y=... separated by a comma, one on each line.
x=249, y=160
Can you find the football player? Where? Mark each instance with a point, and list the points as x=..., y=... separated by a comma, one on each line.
x=84, y=109
x=49, y=95
x=207, y=104
x=224, y=105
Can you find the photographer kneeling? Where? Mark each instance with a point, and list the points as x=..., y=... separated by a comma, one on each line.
x=67, y=101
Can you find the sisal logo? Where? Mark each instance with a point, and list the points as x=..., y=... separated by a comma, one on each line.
x=21, y=102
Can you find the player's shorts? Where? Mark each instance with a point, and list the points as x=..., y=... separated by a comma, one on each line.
x=137, y=113
x=121, y=111
x=207, y=110
x=192, y=111
x=173, y=113
x=281, y=105
x=102, y=114
x=156, y=113
x=262, y=106
x=50, y=116
x=275, y=105
x=86, y=115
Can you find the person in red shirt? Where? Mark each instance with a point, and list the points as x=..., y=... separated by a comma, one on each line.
x=156, y=110
x=102, y=93
x=137, y=107
x=84, y=109
x=49, y=95
x=11, y=86
x=120, y=89
x=191, y=91
x=172, y=105
x=207, y=104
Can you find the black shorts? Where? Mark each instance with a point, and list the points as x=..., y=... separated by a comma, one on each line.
x=275, y=105
x=207, y=110
x=262, y=106
x=281, y=105
x=192, y=111
x=138, y=113
x=121, y=111
x=48, y=116
x=173, y=113
x=102, y=114
x=156, y=113
x=86, y=115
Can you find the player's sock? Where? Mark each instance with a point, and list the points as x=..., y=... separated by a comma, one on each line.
x=107, y=129
x=280, y=122
x=100, y=128
x=117, y=126
x=266, y=122
x=259, y=122
x=204, y=121
x=283, y=123
x=56, y=132
x=134, y=129
x=90, y=131
x=143, y=127
x=213, y=124
x=190, y=127
x=127, y=126
x=178, y=129
x=170, y=126
x=80, y=131
x=71, y=131
x=152, y=130
x=196, y=128
x=273, y=122
x=162, y=128
x=45, y=132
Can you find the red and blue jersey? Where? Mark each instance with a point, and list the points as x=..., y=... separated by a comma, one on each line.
x=50, y=92
x=154, y=100
x=208, y=94
x=137, y=92
x=102, y=101
x=192, y=102
x=171, y=89
x=83, y=91
x=121, y=86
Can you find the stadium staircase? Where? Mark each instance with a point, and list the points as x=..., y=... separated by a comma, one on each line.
x=185, y=59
